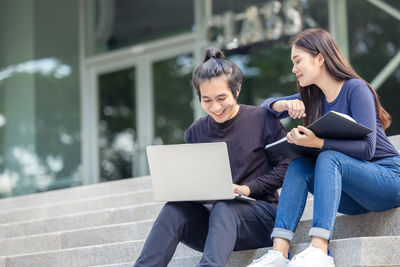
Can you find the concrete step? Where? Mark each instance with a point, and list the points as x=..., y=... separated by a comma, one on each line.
x=238, y=258
x=395, y=140
x=372, y=224
x=76, y=238
x=359, y=250
x=125, y=264
x=74, y=193
x=364, y=251
x=76, y=206
x=355, y=252
x=42, y=235
x=133, y=213
x=88, y=256
x=53, y=223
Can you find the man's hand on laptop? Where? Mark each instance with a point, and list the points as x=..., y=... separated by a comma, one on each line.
x=243, y=190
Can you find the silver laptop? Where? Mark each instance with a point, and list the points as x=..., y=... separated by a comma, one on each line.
x=191, y=172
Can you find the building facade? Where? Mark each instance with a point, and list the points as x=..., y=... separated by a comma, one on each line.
x=86, y=85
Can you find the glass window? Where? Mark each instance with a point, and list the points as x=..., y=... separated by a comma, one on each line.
x=117, y=124
x=114, y=24
x=221, y=6
x=266, y=64
x=173, y=96
x=236, y=24
x=40, y=147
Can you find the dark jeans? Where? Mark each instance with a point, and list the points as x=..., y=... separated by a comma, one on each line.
x=229, y=225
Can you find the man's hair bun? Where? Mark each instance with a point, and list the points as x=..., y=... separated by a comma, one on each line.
x=213, y=52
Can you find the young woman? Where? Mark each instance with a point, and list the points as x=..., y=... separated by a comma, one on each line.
x=346, y=173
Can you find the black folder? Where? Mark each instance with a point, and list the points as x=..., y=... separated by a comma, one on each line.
x=332, y=125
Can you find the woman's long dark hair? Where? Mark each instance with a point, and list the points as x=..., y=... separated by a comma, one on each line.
x=216, y=66
x=316, y=41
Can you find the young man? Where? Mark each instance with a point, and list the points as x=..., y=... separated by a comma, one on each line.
x=231, y=224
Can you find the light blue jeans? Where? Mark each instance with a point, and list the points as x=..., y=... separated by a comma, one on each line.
x=339, y=183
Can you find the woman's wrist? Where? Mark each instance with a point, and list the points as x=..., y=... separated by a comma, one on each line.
x=278, y=106
x=319, y=143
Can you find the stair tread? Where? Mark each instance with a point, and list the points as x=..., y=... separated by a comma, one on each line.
x=345, y=251
x=78, y=192
x=81, y=220
x=76, y=206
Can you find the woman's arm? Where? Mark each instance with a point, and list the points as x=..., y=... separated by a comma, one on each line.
x=362, y=106
x=283, y=107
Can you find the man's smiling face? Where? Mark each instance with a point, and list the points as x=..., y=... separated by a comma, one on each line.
x=217, y=100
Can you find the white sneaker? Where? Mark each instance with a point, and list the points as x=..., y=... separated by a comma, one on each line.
x=312, y=257
x=273, y=258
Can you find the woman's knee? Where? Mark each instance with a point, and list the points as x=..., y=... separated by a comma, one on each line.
x=300, y=167
x=301, y=163
x=328, y=157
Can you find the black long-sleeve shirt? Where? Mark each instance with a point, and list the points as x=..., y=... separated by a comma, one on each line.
x=246, y=135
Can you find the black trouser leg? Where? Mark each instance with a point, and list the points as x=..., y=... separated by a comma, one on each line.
x=237, y=225
x=186, y=221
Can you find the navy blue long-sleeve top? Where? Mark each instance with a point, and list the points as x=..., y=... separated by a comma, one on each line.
x=356, y=100
x=246, y=135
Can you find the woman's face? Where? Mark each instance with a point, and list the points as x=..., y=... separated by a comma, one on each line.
x=217, y=100
x=306, y=67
